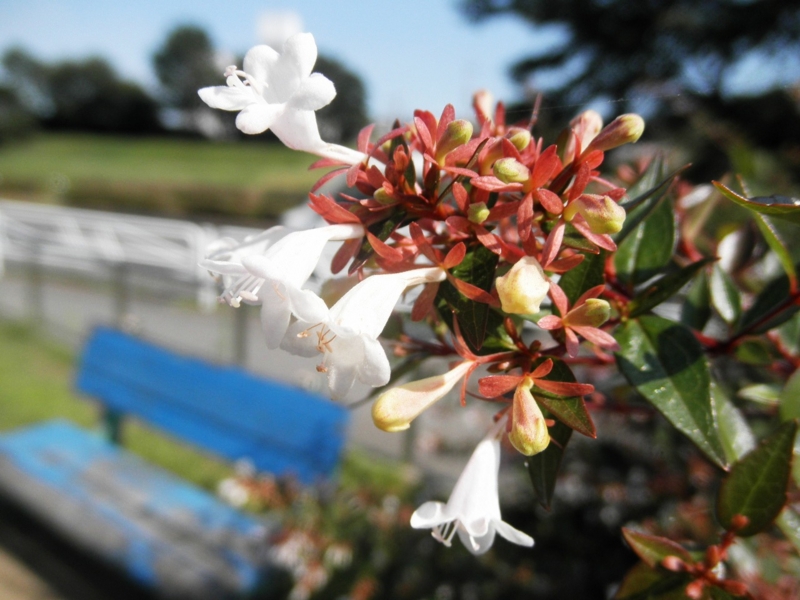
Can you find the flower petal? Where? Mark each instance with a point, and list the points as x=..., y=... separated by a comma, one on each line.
x=258, y=117
x=515, y=536
x=259, y=61
x=298, y=130
x=228, y=98
x=300, y=50
x=313, y=93
x=429, y=515
x=374, y=370
x=275, y=314
x=297, y=344
x=477, y=545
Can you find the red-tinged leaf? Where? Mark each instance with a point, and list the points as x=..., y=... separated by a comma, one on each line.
x=593, y=292
x=559, y=298
x=429, y=119
x=422, y=243
x=363, y=138
x=550, y=201
x=510, y=150
x=495, y=386
x=384, y=250
x=550, y=322
x=352, y=175
x=579, y=183
x=552, y=244
x=502, y=211
x=424, y=134
x=593, y=159
x=459, y=224
x=646, y=583
x=756, y=485
x=500, y=114
x=345, y=254
x=376, y=178
x=391, y=135
x=572, y=342
x=490, y=183
x=461, y=197
x=325, y=207
x=327, y=162
x=569, y=410
x=459, y=171
x=542, y=369
x=564, y=388
x=525, y=217
x=545, y=167
x=653, y=549
x=473, y=292
x=596, y=336
x=455, y=256
x=490, y=240
x=562, y=265
x=600, y=239
x=327, y=177
x=448, y=116
x=424, y=302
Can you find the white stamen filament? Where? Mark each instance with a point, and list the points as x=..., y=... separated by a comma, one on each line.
x=444, y=533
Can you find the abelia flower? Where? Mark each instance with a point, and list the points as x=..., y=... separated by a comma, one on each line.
x=601, y=213
x=395, y=409
x=584, y=319
x=473, y=510
x=347, y=334
x=278, y=91
x=529, y=433
x=275, y=277
x=523, y=288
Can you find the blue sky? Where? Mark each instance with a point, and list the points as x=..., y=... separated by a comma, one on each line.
x=411, y=54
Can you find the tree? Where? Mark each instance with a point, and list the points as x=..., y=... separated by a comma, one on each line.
x=184, y=64
x=343, y=118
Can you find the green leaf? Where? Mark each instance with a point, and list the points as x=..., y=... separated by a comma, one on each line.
x=777, y=245
x=789, y=334
x=474, y=318
x=645, y=583
x=586, y=275
x=756, y=485
x=735, y=434
x=789, y=523
x=780, y=207
x=724, y=295
x=763, y=393
x=696, y=310
x=648, y=251
x=790, y=398
x=664, y=288
x=666, y=365
x=543, y=467
x=756, y=351
x=653, y=549
x=771, y=308
x=569, y=410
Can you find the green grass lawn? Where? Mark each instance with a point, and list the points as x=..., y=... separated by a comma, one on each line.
x=157, y=175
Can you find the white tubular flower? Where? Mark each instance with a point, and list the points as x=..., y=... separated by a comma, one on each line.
x=523, y=288
x=473, y=510
x=224, y=258
x=278, y=91
x=284, y=268
x=394, y=410
x=347, y=336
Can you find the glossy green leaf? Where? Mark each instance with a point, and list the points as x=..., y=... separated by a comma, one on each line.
x=643, y=582
x=756, y=485
x=586, y=275
x=763, y=393
x=770, y=309
x=543, y=467
x=667, y=365
x=735, y=434
x=570, y=411
x=725, y=297
x=664, y=288
x=653, y=549
x=778, y=246
x=756, y=351
x=474, y=318
x=696, y=309
x=790, y=398
x=647, y=251
x=780, y=207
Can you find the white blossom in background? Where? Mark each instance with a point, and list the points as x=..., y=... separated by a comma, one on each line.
x=278, y=91
x=347, y=336
x=473, y=510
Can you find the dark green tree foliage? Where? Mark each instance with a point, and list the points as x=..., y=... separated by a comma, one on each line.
x=15, y=121
x=84, y=95
x=343, y=118
x=184, y=64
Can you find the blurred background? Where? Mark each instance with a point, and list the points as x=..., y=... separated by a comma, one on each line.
x=106, y=153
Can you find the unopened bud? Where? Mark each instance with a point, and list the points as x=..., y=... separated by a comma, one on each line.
x=586, y=126
x=523, y=288
x=592, y=313
x=394, y=410
x=383, y=197
x=625, y=129
x=601, y=213
x=478, y=213
x=510, y=170
x=673, y=563
x=457, y=133
x=520, y=137
x=529, y=434
x=482, y=101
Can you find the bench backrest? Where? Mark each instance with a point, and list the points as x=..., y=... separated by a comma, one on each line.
x=282, y=430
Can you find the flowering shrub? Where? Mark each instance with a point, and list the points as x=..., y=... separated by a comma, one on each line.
x=548, y=282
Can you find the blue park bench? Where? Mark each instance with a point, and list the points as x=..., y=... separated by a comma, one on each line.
x=166, y=533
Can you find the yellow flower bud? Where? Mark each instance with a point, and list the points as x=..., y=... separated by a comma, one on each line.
x=478, y=213
x=625, y=129
x=520, y=137
x=529, y=434
x=523, y=288
x=510, y=170
x=601, y=213
x=457, y=133
x=592, y=313
x=383, y=197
